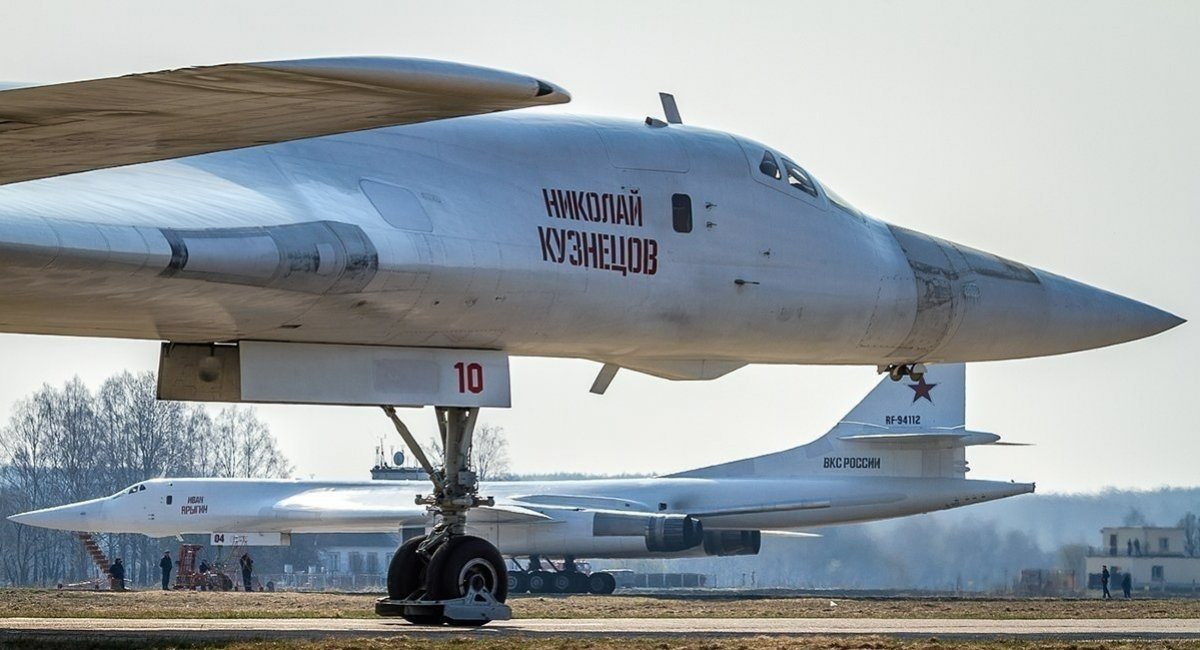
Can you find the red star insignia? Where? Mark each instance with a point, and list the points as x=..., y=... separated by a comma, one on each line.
x=921, y=389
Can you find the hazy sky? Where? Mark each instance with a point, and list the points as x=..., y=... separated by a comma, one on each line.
x=1065, y=135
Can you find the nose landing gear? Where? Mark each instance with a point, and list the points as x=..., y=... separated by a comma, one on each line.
x=447, y=576
x=898, y=371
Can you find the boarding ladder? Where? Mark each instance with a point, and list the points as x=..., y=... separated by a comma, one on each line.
x=186, y=575
x=93, y=549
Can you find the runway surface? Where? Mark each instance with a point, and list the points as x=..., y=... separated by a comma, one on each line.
x=595, y=627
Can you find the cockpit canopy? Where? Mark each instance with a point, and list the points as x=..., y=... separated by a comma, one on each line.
x=140, y=487
x=779, y=171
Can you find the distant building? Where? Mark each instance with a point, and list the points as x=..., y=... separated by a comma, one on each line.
x=1155, y=557
x=359, y=554
x=395, y=470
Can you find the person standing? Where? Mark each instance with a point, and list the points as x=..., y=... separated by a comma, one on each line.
x=165, y=564
x=1127, y=584
x=247, y=570
x=117, y=571
x=1104, y=576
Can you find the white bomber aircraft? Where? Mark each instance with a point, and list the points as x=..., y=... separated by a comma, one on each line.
x=368, y=231
x=900, y=451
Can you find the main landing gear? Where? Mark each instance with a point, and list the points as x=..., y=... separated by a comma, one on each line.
x=898, y=371
x=535, y=578
x=447, y=576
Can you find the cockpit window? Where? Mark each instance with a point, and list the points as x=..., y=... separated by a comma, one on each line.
x=799, y=178
x=769, y=167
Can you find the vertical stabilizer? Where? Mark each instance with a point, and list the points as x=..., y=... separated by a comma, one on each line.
x=901, y=428
x=937, y=401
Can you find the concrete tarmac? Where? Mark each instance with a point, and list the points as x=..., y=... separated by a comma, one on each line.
x=603, y=627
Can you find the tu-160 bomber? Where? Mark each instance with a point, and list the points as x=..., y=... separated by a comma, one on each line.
x=372, y=231
x=900, y=451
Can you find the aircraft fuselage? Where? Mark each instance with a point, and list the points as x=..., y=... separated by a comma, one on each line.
x=574, y=524
x=655, y=247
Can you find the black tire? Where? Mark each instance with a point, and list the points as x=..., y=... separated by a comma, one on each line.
x=407, y=570
x=462, y=559
x=539, y=582
x=561, y=583
x=518, y=582
x=579, y=582
x=601, y=583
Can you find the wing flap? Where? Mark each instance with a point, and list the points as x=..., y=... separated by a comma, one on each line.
x=66, y=128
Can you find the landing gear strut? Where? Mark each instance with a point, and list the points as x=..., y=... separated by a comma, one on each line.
x=898, y=371
x=447, y=576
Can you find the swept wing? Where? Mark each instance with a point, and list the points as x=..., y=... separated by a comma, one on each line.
x=72, y=127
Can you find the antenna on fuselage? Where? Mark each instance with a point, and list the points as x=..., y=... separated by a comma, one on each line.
x=670, y=108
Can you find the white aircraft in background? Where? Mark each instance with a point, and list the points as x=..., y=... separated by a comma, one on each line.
x=367, y=231
x=900, y=451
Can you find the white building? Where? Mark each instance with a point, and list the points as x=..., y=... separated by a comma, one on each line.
x=1155, y=558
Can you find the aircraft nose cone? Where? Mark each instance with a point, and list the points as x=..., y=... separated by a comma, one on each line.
x=1035, y=313
x=1081, y=317
x=972, y=305
x=84, y=515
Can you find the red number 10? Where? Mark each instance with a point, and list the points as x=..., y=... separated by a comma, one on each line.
x=470, y=377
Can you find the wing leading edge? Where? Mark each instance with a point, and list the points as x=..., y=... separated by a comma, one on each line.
x=72, y=127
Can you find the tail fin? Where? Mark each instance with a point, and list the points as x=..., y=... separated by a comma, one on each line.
x=901, y=428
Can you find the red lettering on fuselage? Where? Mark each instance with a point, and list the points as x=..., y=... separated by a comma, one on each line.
x=597, y=207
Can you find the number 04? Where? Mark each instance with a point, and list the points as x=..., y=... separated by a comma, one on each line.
x=470, y=377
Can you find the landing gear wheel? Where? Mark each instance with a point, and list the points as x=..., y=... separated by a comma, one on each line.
x=896, y=373
x=579, y=582
x=601, y=583
x=463, y=562
x=539, y=582
x=561, y=583
x=917, y=371
x=406, y=575
x=518, y=582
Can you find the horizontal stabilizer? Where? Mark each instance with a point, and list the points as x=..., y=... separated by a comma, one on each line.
x=73, y=127
x=941, y=439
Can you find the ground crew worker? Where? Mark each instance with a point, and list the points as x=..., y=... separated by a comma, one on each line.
x=1127, y=584
x=247, y=570
x=165, y=564
x=117, y=571
x=1104, y=575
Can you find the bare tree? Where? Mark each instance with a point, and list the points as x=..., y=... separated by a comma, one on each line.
x=243, y=447
x=1134, y=518
x=1191, y=534
x=489, y=452
x=69, y=444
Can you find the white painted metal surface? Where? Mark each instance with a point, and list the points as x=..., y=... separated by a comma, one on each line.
x=356, y=374
x=830, y=480
x=534, y=234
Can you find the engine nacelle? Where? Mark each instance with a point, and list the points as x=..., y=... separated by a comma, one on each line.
x=732, y=542
x=662, y=533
